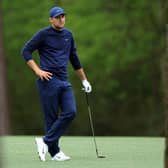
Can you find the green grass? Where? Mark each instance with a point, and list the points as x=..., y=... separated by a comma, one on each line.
x=120, y=152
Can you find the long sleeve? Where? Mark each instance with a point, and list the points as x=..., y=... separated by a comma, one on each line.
x=33, y=44
x=74, y=57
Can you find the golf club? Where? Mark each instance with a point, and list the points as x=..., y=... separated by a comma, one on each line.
x=92, y=128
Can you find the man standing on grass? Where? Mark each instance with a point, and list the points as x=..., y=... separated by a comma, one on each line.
x=56, y=46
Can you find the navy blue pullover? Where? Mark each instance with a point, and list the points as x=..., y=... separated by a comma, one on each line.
x=55, y=48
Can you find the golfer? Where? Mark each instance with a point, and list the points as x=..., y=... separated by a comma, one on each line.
x=56, y=46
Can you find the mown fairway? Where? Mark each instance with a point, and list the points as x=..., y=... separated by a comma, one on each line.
x=120, y=152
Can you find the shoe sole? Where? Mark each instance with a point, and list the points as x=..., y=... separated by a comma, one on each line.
x=60, y=160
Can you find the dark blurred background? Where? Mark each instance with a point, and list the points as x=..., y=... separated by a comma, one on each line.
x=120, y=44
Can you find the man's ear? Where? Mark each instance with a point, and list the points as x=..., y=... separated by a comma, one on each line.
x=50, y=19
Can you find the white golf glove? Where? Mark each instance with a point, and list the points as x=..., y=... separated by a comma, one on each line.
x=87, y=86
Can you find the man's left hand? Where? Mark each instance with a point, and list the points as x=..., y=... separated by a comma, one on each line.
x=87, y=86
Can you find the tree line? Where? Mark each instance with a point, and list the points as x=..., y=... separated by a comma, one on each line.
x=120, y=46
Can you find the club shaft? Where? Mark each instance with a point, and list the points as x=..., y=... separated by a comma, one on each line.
x=91, y=124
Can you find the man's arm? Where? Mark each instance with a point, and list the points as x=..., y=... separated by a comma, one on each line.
x=77, y=66
x=40, y=73
x=32, y=45
x=27, y=51
x=80, y=72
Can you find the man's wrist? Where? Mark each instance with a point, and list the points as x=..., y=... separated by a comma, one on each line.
x=84, y=81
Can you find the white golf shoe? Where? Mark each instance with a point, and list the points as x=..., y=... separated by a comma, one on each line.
x=60, y=156
x=42, y=148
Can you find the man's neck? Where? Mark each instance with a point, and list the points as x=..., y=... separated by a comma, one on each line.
x=56, y=28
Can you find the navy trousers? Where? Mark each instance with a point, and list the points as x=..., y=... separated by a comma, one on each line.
x=56, y=94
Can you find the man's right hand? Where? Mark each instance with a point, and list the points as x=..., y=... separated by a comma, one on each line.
x=44, y=74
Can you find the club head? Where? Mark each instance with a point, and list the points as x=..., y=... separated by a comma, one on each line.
x=100, y=156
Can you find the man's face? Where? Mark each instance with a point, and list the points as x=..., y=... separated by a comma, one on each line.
x=58, y=22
